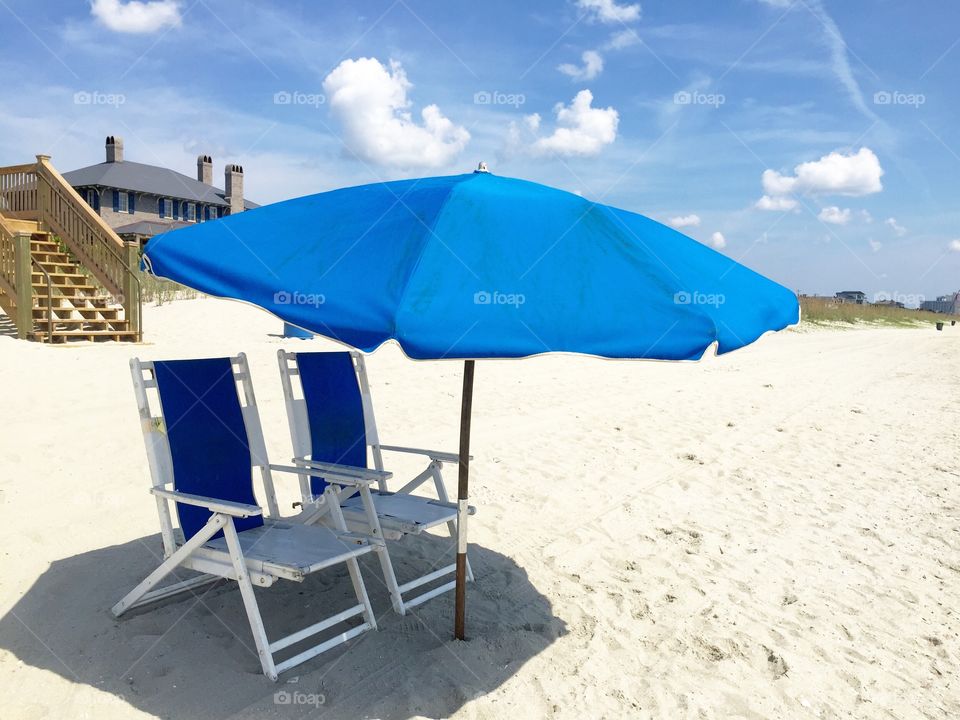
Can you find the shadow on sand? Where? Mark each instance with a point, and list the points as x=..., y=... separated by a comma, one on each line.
x=194, y=657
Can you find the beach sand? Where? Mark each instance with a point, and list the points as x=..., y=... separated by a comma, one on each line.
x=770, y=534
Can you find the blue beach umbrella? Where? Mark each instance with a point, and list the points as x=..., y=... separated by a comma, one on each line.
x=477, y=266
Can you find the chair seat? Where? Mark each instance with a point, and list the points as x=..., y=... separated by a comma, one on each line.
x=302, y=549
x=408, y=510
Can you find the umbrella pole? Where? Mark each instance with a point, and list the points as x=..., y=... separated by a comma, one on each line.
x=466, y=409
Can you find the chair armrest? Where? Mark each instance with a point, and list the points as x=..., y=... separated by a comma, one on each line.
x=337, y=478
x=339, y=474
x=432, y=454
x=227, y=507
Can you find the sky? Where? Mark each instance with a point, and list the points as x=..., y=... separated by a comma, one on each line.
x=815, y=141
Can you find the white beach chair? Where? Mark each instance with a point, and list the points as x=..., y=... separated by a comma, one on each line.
x=331, y=419
x=202, y=447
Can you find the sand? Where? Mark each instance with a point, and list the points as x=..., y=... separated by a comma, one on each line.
x=768, y=534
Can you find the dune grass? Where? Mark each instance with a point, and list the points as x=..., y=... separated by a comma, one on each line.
x=820, y=311
x=160, y=291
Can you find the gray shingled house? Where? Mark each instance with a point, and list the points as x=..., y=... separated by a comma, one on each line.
x=139, y=201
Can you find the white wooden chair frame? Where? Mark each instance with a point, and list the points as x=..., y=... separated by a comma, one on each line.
x=228, y=559
x=365, y=518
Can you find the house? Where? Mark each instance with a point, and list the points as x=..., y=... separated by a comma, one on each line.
x=858, y=297
x=949, y=304
x=139, y=201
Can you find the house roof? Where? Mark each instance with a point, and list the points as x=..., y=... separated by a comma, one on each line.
x=151, y=179
x=148, y=227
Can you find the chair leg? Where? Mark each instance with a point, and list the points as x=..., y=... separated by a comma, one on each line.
x=361, y=591
x=141, y=593
x=249, y=601
x=386, y=565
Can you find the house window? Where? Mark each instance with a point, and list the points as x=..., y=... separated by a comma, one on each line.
x=190, y=213
x=124, y=200
x=165, y=208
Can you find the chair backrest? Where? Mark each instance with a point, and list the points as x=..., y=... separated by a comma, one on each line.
x=204, y=444
x=333, y=410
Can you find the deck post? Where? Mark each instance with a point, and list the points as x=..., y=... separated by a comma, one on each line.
x=23, y=276
x=131, y=288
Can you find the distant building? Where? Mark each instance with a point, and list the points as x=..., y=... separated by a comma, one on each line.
x=857, y=297
x=890, y=303
x=139, y=201
x=949, y=304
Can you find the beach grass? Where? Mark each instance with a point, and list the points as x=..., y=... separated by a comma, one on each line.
x=154, y=289
x=822, y=311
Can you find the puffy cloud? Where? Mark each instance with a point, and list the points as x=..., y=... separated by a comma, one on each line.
x=781, y=204
x=608, y=11
x=370, y=101
x=834, y=174
x=895, y=226
x=718, y=241
x=581, y=128
x=683, y=221
x=875, y=245
x=954, y=246
x=622, y=39
x=135, y=16
x=592, y=66
x=834, y=215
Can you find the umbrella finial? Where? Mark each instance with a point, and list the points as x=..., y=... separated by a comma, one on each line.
x=482, y=168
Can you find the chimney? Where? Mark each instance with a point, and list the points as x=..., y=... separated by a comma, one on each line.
x=205, y=169
x=114, y=149
x=233, y=187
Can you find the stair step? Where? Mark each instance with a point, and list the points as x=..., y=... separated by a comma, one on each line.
x=112, y=314
x=57, y=267
x=50, y=259
x=85, y=289
x=41, y=294
x=83, y=322
x=94, y=335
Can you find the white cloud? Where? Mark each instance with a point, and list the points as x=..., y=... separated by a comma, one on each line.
x=834, y=174
x=581, y=128
x=622, y=39
x=834, y=215
x=954, y=246
x=683, y=221
x=866, y=216
x=370, y=101
x=608, y=11
x=718, y=241
x=592, y=66
x=897, y=227
x=781, y=204
x=135, y=16
x=875, y=245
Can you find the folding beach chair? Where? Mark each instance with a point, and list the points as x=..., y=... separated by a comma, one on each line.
x=331, y=421
x=202, y=447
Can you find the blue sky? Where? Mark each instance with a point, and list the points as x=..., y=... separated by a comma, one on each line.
x=814, y=140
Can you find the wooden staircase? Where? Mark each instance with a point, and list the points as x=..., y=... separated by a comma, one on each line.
x=71, y=307
x=83, y=280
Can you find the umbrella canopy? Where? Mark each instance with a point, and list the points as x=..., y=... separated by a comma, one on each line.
x=478, y=266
